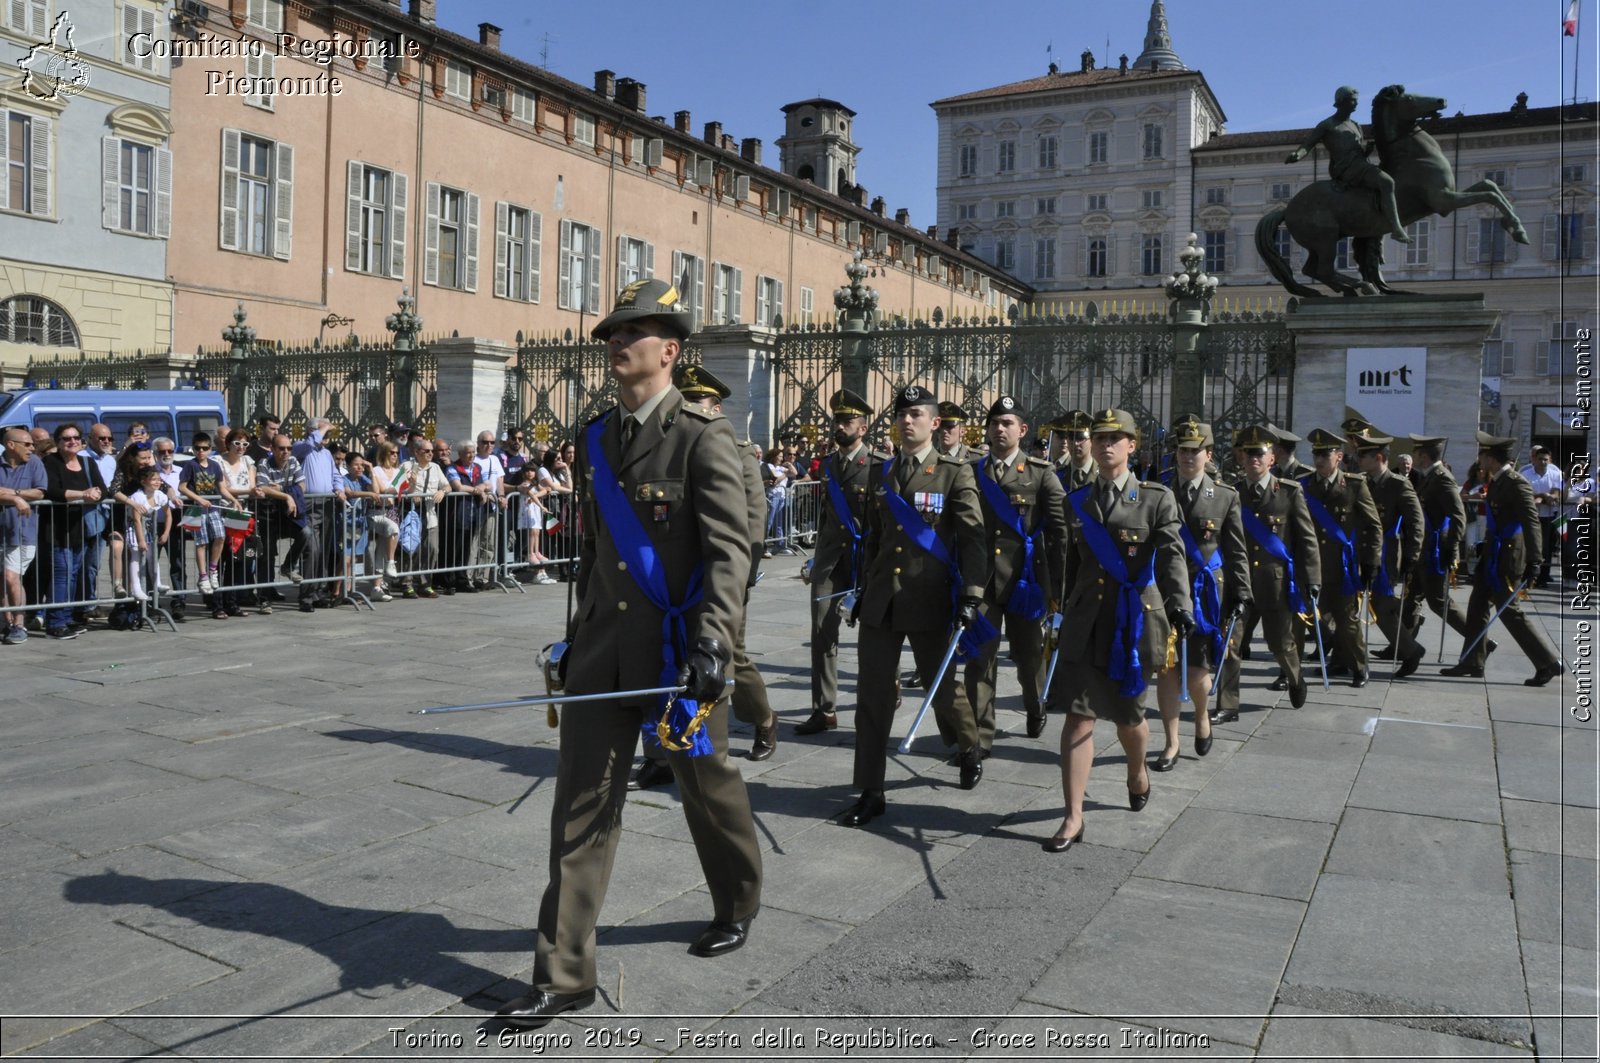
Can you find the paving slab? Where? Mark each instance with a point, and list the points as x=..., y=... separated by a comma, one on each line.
x=1374, y=947
x=1537, y=765
x=1295, y=1033
x=1547, y=828
x=1447, y=789
x=75, y=789
x=1282, y=786
x=1420, y=850
x=151, y=816
x=1562, y=991
x=1243, y=853
x=1556, y=899
x=1220, y=954
x=1035, y=1031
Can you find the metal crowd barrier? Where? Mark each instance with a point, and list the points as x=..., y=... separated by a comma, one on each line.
x=793, y=514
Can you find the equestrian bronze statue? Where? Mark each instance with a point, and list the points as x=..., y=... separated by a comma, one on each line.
x=1412, y=180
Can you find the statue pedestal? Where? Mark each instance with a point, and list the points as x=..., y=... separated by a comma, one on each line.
x=1406, y=363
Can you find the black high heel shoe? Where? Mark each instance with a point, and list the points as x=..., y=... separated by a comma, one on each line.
x=1202, y=746
x=1136, y=802
x=1061, y=845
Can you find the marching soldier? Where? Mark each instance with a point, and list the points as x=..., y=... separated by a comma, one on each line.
x=664, y=502
x=1219, y=582
x=1400, y=514
x=1126, y=596
x=924, y=529
x=952, y=423
x=1075, y=465
x=1350, y=537
x=1285, y=567
x=1445, y=516
x=835, y=568
x=1025, y=529
x=1285, y=464
x=1510, y=552
x=700, y=387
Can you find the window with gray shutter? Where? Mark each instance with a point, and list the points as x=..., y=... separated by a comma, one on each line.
x=110, y=182
x=283, y=207
x=430, y=237
x=136, y=21
x=163, y=193
x=354, y=200
x=397, y=226
x=469, y=280
x=228, y=213
x=578, y=276
x=502, y=240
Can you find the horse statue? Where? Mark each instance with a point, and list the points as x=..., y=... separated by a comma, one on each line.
x=1424, y=184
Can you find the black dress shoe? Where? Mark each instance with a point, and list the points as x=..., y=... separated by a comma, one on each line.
x=971, y=768
x=1035, y=725
x=1544, y=675
x=1462, y=671
x=1136, y=802
x=868, y=807
x=1493, y=645
x=766, y=741
x=1061, y=845
x=538, y=1007
x=650, y=773
x=721, y=937
x=816, y=723
x=912, y=680
x=1202, y=746
x=1358, y=680
x=1224, y=716
x=1280, y=683
x=1385, y=654
x=1297, y=694
x=1165, y=763
x=1244, y=653
x=1336, y=670
x=1407, y=666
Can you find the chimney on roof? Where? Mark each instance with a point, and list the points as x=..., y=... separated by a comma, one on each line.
x=713, y=133
x=630, y=94
x=903, y=216
x=750, y=150
x=952, y=234
x=1086, y=61
x=933, y=232
x=489, y=35
x=1122, y=63
x=728, y=142
x=680, y=121
x=878, y=206
x=424, y=10
x=605, y=83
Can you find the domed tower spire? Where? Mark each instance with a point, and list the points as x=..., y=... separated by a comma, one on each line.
x=1158, y=43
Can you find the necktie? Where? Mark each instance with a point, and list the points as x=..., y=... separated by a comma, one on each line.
x=905, y=469
x=630, y=427
x=995, y=469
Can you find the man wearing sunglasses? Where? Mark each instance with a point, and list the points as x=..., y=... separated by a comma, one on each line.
x=22, y=483
x=1069, y=449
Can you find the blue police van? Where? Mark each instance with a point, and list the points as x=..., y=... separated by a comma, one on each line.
x=177, y=414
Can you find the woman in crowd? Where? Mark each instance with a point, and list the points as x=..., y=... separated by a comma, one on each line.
x=73, y=484
x=386, y=514
x=534, y=492
x=239, y=473
x=459, y=519
x=555, y=486
x=363, y=514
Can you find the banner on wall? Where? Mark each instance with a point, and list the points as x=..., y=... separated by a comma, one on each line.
x=1389, y=385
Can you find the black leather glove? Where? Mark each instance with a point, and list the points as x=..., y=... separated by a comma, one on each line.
x=705, y=674
x=561, y=664
x=967, y=611
x=855, y=612
x=1182, y=623
x=1315, y=593
x=1530, y=573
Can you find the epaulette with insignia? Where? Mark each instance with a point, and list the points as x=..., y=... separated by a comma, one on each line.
x=1158, y=487
x=948, y=460
x=602, y=415
x=880, y=456
x=1040, y=463
x=702, y=413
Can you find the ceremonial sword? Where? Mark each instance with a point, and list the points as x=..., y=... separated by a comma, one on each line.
x=933, y=687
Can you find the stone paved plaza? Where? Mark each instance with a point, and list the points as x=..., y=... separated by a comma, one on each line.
x=239, y=841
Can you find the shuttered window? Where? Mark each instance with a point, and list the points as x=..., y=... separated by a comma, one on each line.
x=375, y=220
x=689, y=275
x=636, y=261
x=769, y=301
x=136, y=187
x=517, y=239
x=31, y=18
x=256, y=215
x=450, y=257
x=727, y=293
x=579, y=281
x=27, y=143
x=138, y=31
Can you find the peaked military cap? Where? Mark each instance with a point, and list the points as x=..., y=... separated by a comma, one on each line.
x=1498, y=446
x=914, y=395
x=950, y=413
x=698, y=382
x=1004, y=405
x=1322, y=439
x=1190, y=431
x=1371, y=439
x=1285, y=437
x=1436, y=442
x=1254, y=436
x=652, y=298
x=1354, y=423
x=1072, y=421
x=1113, y=420
x=846, y=403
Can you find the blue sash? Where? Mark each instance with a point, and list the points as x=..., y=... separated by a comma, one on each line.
x=981, y=632
x=1275, y=549
x=633, y=543
x=841, y=509
x=1124, y=663
x=1205, y=592
x=1026, y=598
x=1498, y=537
x=1349, y=561
x=1436, y=548
x=1380, y=582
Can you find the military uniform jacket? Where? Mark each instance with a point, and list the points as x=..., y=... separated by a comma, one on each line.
x=683, y=480
x=1282, y=508
x=960, y=452
x=755, y=497
x=1072, y=477
x=1030, y=485
x=1294, y=469
x=1212, y=517
x=1350, y=502
x=903, y=586
x=1143, y=521
x=1398, y=507
x=1510, y=502
x=833, y=538
x=1441, y=497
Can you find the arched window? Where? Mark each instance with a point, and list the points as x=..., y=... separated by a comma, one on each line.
x=806, y=173
x=29, y=319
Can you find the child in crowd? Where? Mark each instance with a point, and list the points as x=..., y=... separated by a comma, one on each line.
x=202, y=480
x=150, y=515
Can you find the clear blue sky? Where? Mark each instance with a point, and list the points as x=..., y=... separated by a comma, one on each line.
x=1272, y=64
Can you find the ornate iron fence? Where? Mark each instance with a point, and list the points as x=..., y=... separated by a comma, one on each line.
x=558, y=384
x=85, y=370
x=1247, y=365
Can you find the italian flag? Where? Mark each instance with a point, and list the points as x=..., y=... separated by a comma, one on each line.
x=193, y=517
x=1569, y=25
x=237, y=523
x=552, y=522
x=1561, y=527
